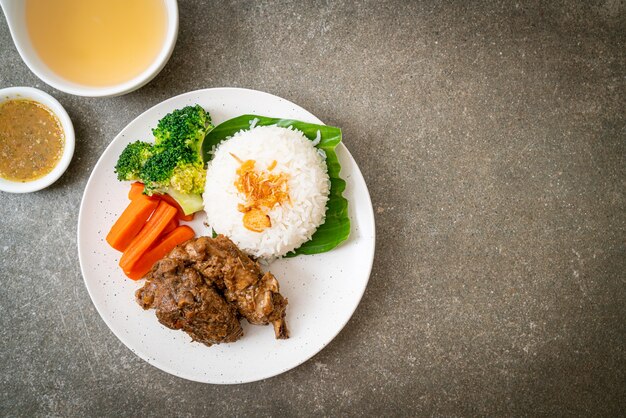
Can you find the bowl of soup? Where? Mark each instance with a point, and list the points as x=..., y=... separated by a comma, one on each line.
x=94, y=48
x=36, y=140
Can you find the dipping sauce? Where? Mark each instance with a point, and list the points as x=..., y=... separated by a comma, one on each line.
x=97, y=42
x=31, y=140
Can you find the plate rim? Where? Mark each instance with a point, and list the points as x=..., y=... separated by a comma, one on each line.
x=161, y=366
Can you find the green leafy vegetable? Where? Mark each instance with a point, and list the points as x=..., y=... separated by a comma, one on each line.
x=336, y=227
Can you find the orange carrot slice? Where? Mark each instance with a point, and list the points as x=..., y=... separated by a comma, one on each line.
x=186, y=218
x=160, y=250
x=151, y=231
x=170, y=227
x=130, y=222
x=136, y=189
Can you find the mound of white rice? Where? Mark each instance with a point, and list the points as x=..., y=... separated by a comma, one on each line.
x=292, y=223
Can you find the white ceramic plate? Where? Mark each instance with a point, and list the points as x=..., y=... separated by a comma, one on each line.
x=323, y=290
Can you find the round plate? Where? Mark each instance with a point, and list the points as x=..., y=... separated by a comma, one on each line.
x=323, y=290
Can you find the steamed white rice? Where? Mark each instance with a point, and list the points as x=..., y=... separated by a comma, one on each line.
x=292, y=224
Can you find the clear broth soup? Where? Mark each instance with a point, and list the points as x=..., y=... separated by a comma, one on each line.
x=97, y=42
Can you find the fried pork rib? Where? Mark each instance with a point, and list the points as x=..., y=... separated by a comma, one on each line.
x=205, y=285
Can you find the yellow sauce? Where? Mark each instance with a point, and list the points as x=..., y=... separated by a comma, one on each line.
x=97, y=42
x=31, y=140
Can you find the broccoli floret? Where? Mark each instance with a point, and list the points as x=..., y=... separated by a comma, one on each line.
x=188, y=178
x=174, y=164
x=183, y=127
x=176, y=168
x=132, y=159
x=172, y=169
x=160, y=166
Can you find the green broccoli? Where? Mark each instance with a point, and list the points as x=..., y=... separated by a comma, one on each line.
x=132, y=160
x=176, y=168
x=174, y=165
x=158, y=168
x=189, y=178
x=183, y=127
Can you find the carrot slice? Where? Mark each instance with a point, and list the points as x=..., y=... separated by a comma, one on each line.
x=130, y=222
x=136, y=189
x=160, y=250
x=186, y=218
x=151, y=231
x=170, y=227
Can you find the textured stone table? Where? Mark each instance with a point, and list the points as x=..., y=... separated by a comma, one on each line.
x=493, y=141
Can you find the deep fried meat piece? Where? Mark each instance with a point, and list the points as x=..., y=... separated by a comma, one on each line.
x=184, y=301
x=205, y=284
x=255, y=294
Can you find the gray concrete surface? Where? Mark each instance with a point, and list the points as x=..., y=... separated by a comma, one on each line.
x=493, y=140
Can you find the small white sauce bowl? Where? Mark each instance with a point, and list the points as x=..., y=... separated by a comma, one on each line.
x=29, y=93
x=16, y=18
